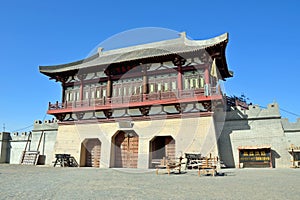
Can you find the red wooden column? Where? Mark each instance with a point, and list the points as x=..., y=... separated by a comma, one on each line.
x=63, y=92
x=81, y=90
x=81, y=78
x=145, y=82
x=206, y=80
x=179, y=78
x=108, y=86
x=179, y=62
x=206, y=75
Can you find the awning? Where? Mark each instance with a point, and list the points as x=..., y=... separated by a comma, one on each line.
x=294, y=148
x=255, y=147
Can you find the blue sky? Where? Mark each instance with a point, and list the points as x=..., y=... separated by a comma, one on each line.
x=263, y=49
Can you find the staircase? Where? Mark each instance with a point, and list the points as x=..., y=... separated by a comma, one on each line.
x=30, y=157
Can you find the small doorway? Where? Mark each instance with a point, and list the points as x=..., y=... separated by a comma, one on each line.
x=160, y=147
x=125, y=149
x=90, y=153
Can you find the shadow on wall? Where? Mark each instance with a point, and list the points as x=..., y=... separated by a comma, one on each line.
x=235, y=120
x=9, y=147
x=5, y=147
x=275, y=156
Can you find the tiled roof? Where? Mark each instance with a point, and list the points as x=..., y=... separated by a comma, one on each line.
x=156, y=49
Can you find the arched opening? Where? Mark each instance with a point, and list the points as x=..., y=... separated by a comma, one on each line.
x=90, y=152
x=125, y=149
x=160, y=147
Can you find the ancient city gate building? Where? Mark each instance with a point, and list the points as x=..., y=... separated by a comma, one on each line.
x=127, y=107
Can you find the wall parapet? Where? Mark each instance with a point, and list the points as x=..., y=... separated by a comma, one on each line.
x=290, y=126
x=254, y=112
x=46, y=125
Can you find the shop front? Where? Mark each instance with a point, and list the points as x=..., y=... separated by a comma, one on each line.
x=255, y=157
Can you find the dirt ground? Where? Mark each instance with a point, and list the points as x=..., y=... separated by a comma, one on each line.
x=40, y=182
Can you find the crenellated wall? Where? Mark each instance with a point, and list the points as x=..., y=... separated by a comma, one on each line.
x=292, y=132
x=17, y=146
x=47, y=141
x=290, y=126
x=35, y=140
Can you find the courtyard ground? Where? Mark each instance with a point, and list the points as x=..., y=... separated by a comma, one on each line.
x=40, y=182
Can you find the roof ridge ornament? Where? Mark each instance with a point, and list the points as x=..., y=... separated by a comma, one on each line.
x=100, y=50
x=182, y=35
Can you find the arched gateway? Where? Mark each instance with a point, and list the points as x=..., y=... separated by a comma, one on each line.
x=160, y=147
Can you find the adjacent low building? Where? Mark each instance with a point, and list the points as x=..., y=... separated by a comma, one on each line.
x=259, y=137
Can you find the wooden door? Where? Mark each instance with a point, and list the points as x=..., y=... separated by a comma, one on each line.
x=170, y=147
x=93, y=149
x=126, y=150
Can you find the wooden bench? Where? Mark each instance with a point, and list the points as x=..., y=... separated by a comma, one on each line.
x=208, y=166
x=169, y=165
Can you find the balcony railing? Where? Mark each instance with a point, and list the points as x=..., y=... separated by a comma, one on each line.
x=169, y=95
